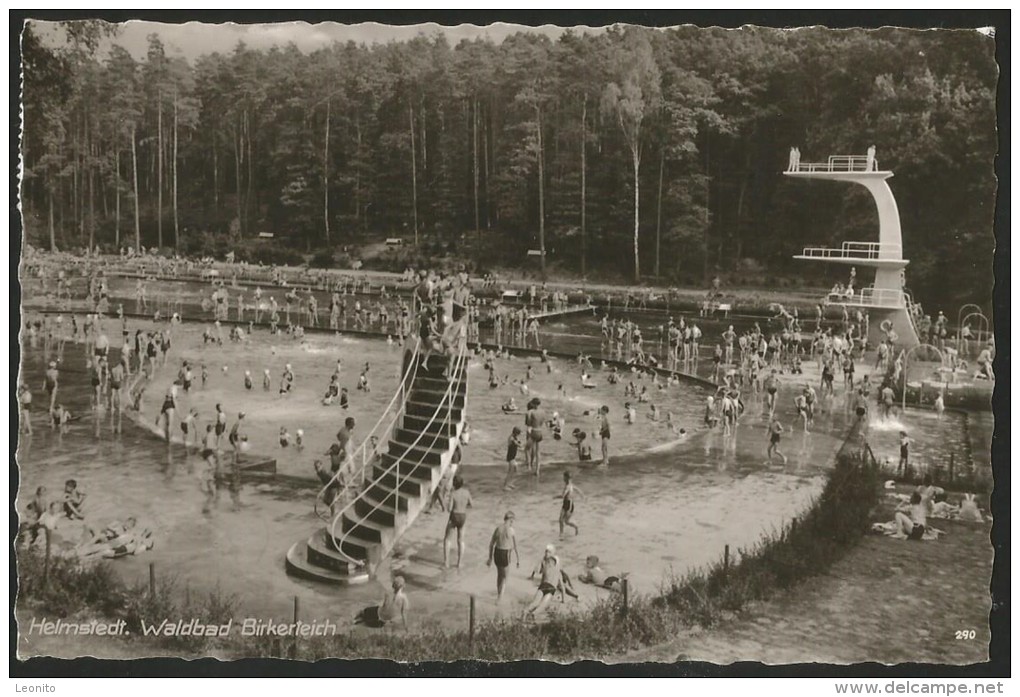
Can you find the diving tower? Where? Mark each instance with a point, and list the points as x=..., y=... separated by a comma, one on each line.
x=885, y=300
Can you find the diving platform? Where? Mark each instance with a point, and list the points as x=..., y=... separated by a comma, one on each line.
x=885, y=299
x=857, y=253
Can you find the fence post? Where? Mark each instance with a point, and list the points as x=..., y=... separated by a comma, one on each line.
x=46, y=560
x=626, y=595
x=952, y=462
x=726, y=559
x=152, y=579
x=471, y=623
x=293, y=646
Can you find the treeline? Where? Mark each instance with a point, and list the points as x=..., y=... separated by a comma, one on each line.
x=637, y=151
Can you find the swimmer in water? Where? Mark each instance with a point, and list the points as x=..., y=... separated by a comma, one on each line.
x=513, y=447
x=775, y=429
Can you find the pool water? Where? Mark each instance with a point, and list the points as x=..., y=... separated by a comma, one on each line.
x=662, y=505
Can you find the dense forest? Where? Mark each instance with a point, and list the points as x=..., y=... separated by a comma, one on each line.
x=630, y=152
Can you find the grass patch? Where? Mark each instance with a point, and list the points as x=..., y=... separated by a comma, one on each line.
x=65, y=587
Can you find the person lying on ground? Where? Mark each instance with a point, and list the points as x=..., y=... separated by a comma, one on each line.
x=115, y=540
x=594, y=575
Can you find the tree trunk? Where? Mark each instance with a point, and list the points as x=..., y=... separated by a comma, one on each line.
x=414, y=173
x=134, y=170
x=248, y=198
x=238, y=158
x=92, y=200
x=177, y=231
x=159, y=169
x=658, y=213
x=708, y=201
x=541, y=192
x=486, y=137
x=325, y=175
x=738, y=227
x=637, y=214
x=424, y=143
x=215, y=177
x=584, y=187
x=357, y=175
x=474, y=153
x=53, y=231
x=102, y=187
x=116, y=227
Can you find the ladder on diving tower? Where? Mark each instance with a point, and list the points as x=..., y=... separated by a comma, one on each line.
x=422, y=428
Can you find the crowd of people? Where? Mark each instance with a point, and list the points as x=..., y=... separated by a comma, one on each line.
x=750, y=367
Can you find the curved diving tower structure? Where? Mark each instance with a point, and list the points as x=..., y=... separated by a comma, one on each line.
x=885, y=299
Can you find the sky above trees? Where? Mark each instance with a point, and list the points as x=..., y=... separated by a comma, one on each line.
x=193, y=39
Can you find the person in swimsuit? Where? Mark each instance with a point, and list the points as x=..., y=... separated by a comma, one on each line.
x=393, y=606
x=513, y=446
x=771, y=388
x=74, y=499
x=913, y=526
x=503, y=542
x=594, y=575
x=116, y=387
x=567, y=507
x=775, y=429
x=460, y=502
x=166, y=412
x=51, y=382
x=800, y=401
x=235, y=437
x=221, y=424
x=550, y=579
x=604, y=433
x=534, y=420
x=287, y=380
x=25, y=404
x=904, y=462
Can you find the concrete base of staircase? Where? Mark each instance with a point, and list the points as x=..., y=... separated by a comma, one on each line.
x=298, y=564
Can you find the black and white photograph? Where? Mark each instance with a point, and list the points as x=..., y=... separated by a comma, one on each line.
x=331, y=335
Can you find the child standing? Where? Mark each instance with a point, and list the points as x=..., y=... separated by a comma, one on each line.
x=904, y=463
x=567, y=509
x=513, y=445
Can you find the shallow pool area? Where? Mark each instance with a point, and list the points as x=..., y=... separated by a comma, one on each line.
x=665, y=505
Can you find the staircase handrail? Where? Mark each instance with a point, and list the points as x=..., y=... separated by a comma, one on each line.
x=447, y=395
x=412, y=366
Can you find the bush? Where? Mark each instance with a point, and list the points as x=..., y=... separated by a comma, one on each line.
x=72, y=587
x=268, y=252
x=323, y=259
x=214, y=608
x=68, y=587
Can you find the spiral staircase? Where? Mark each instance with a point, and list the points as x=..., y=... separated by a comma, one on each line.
x=418, y=435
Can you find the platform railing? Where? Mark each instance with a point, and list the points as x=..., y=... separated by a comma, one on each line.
x=878, y=297
x=837, y=163
x=856, y=250
x=445, y=404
